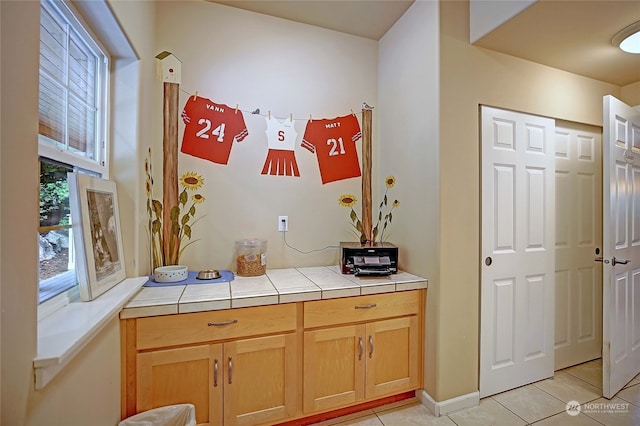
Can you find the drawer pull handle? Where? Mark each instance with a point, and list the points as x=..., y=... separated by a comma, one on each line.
x=371, y=346
x=230, y=369
x=215, y=373
x=220, y=323
x=361, y=348
x=372, y=305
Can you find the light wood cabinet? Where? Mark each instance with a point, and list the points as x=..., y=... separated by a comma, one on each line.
x=372, y=358
x=241, y=381
x=176, y=376
x=271, y=364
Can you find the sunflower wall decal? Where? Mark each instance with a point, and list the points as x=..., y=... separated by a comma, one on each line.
x=384, y=219
x=182, y=218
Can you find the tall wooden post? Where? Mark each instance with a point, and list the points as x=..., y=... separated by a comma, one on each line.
x=171, y=70
x=366, y=174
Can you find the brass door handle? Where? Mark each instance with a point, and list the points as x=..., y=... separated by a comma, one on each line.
x=215, y=373
x=369, y=306
x=221, y=323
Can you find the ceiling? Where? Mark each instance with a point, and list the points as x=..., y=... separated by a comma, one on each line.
x=365, y=18
x=573, y=35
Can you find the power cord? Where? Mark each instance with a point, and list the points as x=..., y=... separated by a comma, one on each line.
x=284, y=239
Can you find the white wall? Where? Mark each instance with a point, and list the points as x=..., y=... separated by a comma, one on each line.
x=487, y=15
x=87, y=391
x=232, y=56
x=19, y=171
x=409, y=144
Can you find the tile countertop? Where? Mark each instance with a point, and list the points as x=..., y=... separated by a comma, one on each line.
x=277, y=286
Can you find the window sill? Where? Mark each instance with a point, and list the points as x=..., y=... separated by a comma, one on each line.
x=63, y=334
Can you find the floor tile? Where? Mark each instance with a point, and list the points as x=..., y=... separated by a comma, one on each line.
x=488, y=413
x=634, y=381
x=563, y=419
x=590, y=372
x=614, y=412
x=411, y=415
x=631, y=394
x=567, y=388
x=530, y=403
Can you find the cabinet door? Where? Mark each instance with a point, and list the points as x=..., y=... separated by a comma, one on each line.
x=261, y=378
x=393, y=356
x=178, y=376
x=334, y=361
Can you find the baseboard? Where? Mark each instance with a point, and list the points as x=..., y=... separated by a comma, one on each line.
x=442, y=408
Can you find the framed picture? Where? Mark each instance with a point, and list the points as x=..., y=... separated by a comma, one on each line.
x=96, y=234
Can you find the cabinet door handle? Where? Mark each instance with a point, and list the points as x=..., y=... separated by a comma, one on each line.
x=361, y=348
x=370, y=346
x=219, y=323
x=215, y=373
x=230, y=369
x=369, y=306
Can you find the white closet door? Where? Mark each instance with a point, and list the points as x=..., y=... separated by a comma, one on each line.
x=518, y=234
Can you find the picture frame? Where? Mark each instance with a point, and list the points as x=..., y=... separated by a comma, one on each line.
x=97, y=236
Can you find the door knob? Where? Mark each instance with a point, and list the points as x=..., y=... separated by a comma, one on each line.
x=488, y=261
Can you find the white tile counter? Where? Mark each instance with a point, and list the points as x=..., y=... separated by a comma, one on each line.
x=276, y=286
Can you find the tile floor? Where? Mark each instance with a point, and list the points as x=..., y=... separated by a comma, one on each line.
x=542, y=403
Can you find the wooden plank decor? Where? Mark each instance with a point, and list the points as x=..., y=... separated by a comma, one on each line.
x=366, y=175
x=170, y=170
x=171, y=77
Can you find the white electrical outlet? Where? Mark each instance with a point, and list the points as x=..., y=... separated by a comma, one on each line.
x=283, y=223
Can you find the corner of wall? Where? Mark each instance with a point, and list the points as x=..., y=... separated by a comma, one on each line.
x=443, y=408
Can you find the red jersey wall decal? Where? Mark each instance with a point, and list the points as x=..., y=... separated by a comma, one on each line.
x=281, y=138
x=210, y=129
x=334, y=143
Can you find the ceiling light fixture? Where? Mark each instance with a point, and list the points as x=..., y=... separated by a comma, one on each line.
x=628, y=39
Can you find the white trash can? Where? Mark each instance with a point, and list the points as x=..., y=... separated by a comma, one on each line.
x=170, y=415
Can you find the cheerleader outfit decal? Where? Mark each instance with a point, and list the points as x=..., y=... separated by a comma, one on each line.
x=210, y=129
x=281, y=159
x=334, y=143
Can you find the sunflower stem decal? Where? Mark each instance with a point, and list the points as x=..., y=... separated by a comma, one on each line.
x=182, y=217
x=384, y=219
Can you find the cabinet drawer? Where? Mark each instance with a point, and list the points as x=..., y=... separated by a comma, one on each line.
x=322, y=313
x=183, y=329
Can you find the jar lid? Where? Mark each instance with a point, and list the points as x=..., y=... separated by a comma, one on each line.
x=251, y=241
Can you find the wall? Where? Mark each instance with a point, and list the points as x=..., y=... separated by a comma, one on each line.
x=19, y=171
x=236, y=57
x=87, y=392
x=470, y=76
x=631, y=94
x=408, y=134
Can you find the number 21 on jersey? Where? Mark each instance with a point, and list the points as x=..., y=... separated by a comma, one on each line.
x=204, y=132
x=337, y=147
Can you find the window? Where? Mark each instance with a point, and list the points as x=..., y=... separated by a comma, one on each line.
x=72, y=133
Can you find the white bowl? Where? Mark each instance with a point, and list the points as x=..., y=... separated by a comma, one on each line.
x=170, y=274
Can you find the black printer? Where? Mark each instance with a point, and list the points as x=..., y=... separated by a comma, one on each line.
x=371, y=259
